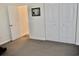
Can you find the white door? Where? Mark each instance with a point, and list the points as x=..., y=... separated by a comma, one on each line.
x=60, y=22
x=14, y=22
x=4, y=25
x=52, y=22
x=67, y=22
x=77, y=33
x=37, y=28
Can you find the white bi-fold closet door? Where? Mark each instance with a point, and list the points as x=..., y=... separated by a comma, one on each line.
x=52, y=21
x=77, y=33
x=60, y=22
x=68, y=22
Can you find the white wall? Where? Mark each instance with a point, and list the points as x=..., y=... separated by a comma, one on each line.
x=37, y=30
x=4, y=25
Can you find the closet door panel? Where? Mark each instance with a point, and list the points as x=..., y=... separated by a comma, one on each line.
x=67, y=23
x=77, y=33
x=52, y=22
x=60, y=22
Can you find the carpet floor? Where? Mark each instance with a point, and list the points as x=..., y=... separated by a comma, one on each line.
x=29, y=47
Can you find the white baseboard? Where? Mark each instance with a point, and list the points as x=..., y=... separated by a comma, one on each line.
x=4, y=42
x=13, y=40
x=20, y=36
x=37, y=38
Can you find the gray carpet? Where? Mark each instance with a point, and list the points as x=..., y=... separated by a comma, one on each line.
x=29, y=47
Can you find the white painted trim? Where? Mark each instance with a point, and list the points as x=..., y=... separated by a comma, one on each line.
x=20, y=36
x=36, y=38
x=4, y=42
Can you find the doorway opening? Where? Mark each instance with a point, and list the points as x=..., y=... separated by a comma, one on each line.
x=18, y=19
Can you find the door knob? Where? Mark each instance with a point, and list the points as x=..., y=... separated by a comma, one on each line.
x=10, y=25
